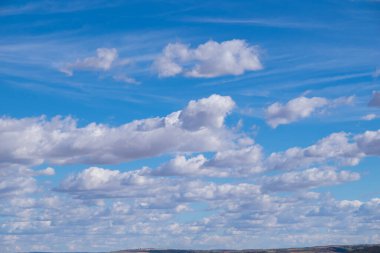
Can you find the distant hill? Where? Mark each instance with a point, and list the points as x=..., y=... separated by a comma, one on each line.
x=317, y=249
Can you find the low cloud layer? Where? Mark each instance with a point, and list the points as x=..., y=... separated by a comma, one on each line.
x=33, y=141
x=211, y=59
x=310, y=178
x=208, y=176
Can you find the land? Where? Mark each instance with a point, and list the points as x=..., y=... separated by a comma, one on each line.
x=365, y=248
x=318, y=249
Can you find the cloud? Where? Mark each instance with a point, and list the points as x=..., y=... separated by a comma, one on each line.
x=156, y=192
x=241, y=162
x=125, y=206
x=49, y=171
x=139, y=208
x=199, y=127
x=125, y=79
x=107, y=183
x=369, y=117
x=16, y=181
x=307, y=179
x=206, y=112
x=278, y=23
x=211, y=59
x=181, y=166
x=369, y=142
x=299, y=108
x=375, y=100
x=337, y=147
x=103, y=60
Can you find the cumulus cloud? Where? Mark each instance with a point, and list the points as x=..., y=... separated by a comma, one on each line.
x=299, y=108
x=211, y=59
x=369, y=142
x=123, y=205
x=103, y=60
x=49, y=171
x=97, y=182
x=206, y=112
x=240, y=207
x=155, y=191
x=307, y=179
x=375, y=100
x=240, y=162
x=182, y=166
x=16, y=181
x=199, y=127
x=337, y=147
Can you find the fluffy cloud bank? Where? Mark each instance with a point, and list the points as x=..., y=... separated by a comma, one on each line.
x=210, y=59
x=369, y=142
x=299, y=108
x=310, y=178
x=338, y=148
x=199, y=127
x=217, y=178
x=241, y=162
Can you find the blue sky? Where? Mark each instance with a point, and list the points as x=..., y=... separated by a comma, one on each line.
x=191, y=124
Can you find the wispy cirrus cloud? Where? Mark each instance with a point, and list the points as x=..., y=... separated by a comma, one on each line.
x=275, y=22
x=47, y=6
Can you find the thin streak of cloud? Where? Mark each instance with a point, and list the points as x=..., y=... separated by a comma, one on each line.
x=278, y=23
x=53, y=7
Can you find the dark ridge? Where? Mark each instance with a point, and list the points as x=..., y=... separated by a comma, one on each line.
x=319, y=249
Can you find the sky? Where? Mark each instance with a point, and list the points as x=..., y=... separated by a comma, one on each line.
x=189, y=124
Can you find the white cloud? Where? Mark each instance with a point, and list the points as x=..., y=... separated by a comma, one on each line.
x=49, y=171
x=199, y=127
x=103, y=60
x=337, y=148
x=310, y=178
x=299, y=108
x=369, y=117
x=206, y=112
x=16, y=181
x=294, y=110
x=375, y=100
x=153, y=192
x=142, y=206
x=369, y=142
x=95, y=182
x=181, y=166
x=210, y=59
x=125, y=79
x=241, y=162
x=177, y=202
